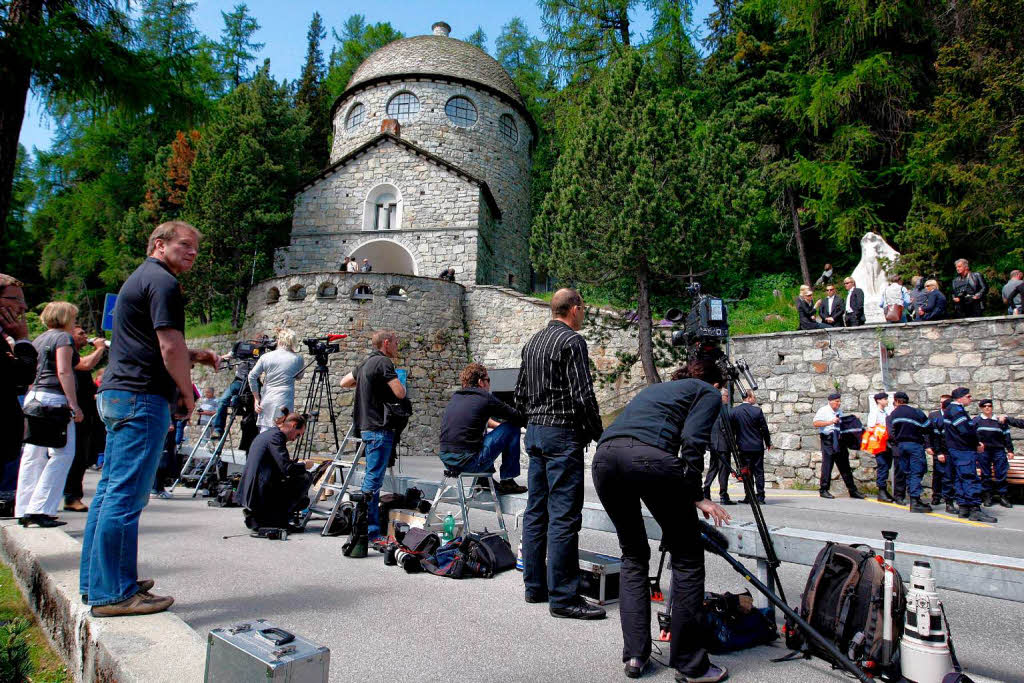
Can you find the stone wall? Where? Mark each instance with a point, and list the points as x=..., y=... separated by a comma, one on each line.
x=797, y=370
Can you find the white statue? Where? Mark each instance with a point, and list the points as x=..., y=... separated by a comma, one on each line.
x=870, y=274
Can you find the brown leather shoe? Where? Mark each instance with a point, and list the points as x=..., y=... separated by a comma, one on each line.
x=145, y=585
x=76, y=506
x=140, y=603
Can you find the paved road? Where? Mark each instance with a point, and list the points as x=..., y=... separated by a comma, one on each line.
x=384, y=625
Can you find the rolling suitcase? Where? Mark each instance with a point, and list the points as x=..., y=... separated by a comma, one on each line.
x=259, y=651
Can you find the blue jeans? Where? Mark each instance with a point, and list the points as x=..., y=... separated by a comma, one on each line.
x=225, y=401
x=554, y=514
x=136, y=429
x=968, y=485
x=504, y=441
x=911, y=457
x=377, y=455
x=994, y=468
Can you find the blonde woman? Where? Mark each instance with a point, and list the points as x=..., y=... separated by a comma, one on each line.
x=805, y=309
x=279, y=368
x=44, y=470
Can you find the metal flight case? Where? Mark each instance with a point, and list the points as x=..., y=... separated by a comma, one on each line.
x=259, y=651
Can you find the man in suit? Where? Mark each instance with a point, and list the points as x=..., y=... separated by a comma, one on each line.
x=830, y=308
x=719, y=466
x=18, y=370
x=854, y=315
x=752, y=438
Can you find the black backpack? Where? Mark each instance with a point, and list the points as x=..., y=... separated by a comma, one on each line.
x=487, y=553
x=844, y=601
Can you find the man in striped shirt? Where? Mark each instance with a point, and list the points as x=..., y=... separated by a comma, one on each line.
x=555, y=392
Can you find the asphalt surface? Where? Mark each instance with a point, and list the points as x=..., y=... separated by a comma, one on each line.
x=384, y=625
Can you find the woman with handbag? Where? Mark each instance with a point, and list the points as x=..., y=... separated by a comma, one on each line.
x=279, y=369
x=50, y=406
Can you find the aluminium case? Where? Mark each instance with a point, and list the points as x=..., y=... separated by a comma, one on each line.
x=240, y=654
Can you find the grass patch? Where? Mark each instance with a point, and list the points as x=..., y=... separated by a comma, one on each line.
x=47, y=666
x=763, y=312
x=213, y=328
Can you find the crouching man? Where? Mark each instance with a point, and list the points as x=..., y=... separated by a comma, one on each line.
x=464, y=445
x=273, y=487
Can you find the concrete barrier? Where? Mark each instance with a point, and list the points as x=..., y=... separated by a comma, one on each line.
x=148, y=649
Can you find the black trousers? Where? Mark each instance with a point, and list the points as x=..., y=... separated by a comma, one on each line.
x=839, y=455
x=717, y=467
x=754, y=460
x=625, y=472
x=83, y=450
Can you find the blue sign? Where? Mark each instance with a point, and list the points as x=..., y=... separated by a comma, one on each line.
x=108, y=312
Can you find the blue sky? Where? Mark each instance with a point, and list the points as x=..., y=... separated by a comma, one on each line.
x=284, y=26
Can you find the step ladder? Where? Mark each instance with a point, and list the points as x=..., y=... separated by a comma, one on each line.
x=456, y=481
x=194, y=456
x=335, y=472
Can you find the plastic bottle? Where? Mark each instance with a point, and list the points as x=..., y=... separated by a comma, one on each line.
x=448, y=532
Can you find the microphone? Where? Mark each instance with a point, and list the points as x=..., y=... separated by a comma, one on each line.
x=714, y=540
x=336, y=337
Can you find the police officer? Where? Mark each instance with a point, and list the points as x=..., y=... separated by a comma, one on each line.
x=907, y=428
x=993, y=463
x=962, y=440
x=826, y=421
x=943, y=472
x=889, y=458
x=752, y=438
x=719, y=465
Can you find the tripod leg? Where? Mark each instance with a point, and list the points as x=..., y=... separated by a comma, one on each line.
x=191, y=455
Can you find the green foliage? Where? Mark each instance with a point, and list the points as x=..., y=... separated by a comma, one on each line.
x=236, y=49
x=15, y=657
x=25, y=654
x=478, y=38
x=356, y=42
x=764, y=311
x=197, y=330
x=312, y=95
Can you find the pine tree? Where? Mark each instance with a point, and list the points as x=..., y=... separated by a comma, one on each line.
x=311, y=95
x=478, y=38
x=355, y=43
x=237, y=49
x=583, y=34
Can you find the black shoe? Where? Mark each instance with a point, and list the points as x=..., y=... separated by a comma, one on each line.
x=509, y=486
x=534, y=599
x=936, y=500
x=726, y=500
x=714, y=674
x=986, y=500
x=917, y=505
x=899, y=500
x=744, y=501
x=979, y=515
x=42, y=521
x=856, y=494
x=964, y=512
x=883, y=496
x=581, y=609
x=1005, y=502
x=826, y=494
x=951, y=507
x=760, y=499
x=635, y=667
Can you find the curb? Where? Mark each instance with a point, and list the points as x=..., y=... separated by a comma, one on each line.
x=157, y=647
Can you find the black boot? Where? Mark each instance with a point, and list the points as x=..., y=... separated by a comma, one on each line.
x=951, y=507
x=883, y=495
x=854, y=493
x=964, y=512
x=1005, y=502
x=986, y=499
x=917, y=505
x=824, y=493
x=936, y=499
x=899, y=498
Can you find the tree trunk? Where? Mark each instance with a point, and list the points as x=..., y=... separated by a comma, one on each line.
x=624, y=27
x=15, y=78
x=643, y=312
x=801, y=254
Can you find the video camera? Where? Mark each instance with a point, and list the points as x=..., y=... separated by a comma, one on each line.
x=321, y=347
x=252, y=348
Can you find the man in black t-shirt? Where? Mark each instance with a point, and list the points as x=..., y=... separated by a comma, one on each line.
x=465, y=447
x=148, y=377
x=376, y=383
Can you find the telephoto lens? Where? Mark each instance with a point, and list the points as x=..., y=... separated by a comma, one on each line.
x=389, y=555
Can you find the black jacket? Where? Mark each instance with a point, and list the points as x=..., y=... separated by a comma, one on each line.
x=907, y=425
x=935, y=438
x=934, y=306
x=806, y=313
x=266, y=468
x=961, y=434
x=465, y=419
x=836, y=313
x=856, y=316
x=719, y=443
x=993, y=434
x=750, y=427
x=17, y=371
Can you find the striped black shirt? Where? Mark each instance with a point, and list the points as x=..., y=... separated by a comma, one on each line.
x=555, y=387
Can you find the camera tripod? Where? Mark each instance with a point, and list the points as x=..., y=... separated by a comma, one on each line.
x=319, y=388
x=237, y=407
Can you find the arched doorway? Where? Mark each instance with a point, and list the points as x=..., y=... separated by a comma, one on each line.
x=386, y=256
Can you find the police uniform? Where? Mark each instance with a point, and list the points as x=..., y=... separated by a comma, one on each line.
x=943, y=473
x=992, y=462
x=962, y=439
x=907, y=428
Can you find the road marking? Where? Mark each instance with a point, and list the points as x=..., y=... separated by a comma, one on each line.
x=969, y=522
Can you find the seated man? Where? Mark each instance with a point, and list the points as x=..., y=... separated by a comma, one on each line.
x=273, y=487
x=465, y=447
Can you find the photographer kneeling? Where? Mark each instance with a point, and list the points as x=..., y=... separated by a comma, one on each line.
x=654, y=452
x=273, y=487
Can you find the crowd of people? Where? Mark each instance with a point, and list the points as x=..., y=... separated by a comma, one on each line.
x=923, y=301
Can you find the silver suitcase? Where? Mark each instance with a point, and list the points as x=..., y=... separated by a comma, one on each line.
x=259, y=651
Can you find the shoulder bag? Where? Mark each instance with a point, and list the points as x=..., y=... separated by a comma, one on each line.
x=46, y=425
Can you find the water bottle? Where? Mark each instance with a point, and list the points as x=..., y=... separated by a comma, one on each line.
x=448, y=533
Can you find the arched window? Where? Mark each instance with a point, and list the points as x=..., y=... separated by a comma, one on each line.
x=362, y=291
x=356, y=115
x=383, y=208
x=460, y=111
x=403, y=106
x=296, y=293
x=507, y=126
x=327, y=291
x=397, y=293
x=273, y=295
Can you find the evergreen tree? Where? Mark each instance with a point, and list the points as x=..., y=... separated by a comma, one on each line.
x=20, y=254
x=312, y=95
x=237, y=49
x=355, y=43
x=478, y=38
x=583, y=34
x=521, y=56
x=239, y=193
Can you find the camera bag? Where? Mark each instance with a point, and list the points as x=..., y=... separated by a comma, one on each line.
x=421, y=541
x=731, y=622
x=490, y=551
x=844, y=600
x=47, y=425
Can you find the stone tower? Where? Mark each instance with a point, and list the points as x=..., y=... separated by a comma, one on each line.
x=429, y=168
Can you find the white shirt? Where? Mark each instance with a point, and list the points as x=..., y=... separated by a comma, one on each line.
x=826, y=414
x=353, y=267
x=848, y=309
x=207, y=404
x=877, y=416
x=828, y=304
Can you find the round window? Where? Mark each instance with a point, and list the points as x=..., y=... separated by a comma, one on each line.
x=461, y=112
x=403, y=106
x=507, y=125
x=356, y=115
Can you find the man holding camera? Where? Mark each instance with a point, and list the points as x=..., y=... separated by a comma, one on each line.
x=654, y=453
x=376, y=384
x=242, y=371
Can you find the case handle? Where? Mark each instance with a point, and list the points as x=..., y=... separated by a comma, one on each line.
x=277, y=636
